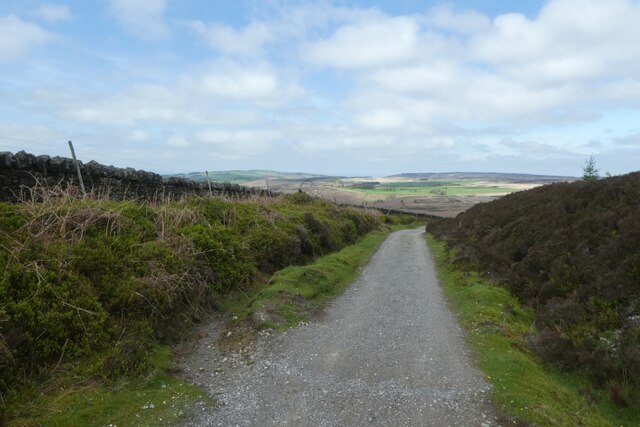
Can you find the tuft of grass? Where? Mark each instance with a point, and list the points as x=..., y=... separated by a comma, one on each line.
x=497, y=329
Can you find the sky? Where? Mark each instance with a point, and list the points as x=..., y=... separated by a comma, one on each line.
x=332, y=87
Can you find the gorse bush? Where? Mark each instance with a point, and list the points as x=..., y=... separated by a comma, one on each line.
x=572, y=252
x=102, y=282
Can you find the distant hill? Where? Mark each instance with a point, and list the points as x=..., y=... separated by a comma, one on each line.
x=244, y=176
x=571, y=251
x=513, y=177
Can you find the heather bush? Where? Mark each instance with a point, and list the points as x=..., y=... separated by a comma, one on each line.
x=572, y=252
x=95, y=284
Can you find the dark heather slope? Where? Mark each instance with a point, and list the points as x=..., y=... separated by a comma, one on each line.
x=572, y=252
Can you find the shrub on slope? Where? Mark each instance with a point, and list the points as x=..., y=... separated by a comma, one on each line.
x=100, y=282
x=572, y=252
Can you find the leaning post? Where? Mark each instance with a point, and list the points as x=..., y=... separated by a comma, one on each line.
x=77, y=165
x=209, y=182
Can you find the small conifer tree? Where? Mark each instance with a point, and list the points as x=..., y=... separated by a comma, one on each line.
x=589, y=170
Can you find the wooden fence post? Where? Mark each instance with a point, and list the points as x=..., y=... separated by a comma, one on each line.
x=75, y=162
x=209, y=182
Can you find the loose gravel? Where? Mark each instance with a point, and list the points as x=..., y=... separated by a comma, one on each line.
x=388, y=352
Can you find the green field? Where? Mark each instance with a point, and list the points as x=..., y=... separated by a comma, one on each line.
x=457, y=187
x=441, y=187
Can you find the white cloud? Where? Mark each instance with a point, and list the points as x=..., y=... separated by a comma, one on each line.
x=462, y=67
x=530, y=149
x=235, y=144
x=441, y=141
x=248, y=41
x=237, y=136
x=628, y=141
x=381, y=120
x=434, y=78
x=137, y=106
x=54, y=12
x=467, y=22
x=142, y=18
x=563, y=45
x=236, y=82
x=177, y=141
x=138, y=135
x=368, y=43
x=220, y=94
x=18, y=37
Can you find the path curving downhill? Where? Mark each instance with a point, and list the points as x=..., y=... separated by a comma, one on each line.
x=388, y=352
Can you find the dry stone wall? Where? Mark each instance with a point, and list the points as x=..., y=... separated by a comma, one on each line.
x=26, y=176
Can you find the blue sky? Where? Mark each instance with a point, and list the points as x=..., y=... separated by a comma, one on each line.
x=335, y=87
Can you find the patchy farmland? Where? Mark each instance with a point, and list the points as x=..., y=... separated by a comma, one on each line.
x=441, y=194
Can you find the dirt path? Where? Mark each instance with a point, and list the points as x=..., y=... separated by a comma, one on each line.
x=388, y=352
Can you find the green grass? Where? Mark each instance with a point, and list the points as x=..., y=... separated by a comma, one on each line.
x=158, y=399
x=497, y=327
x=454, y=187
x=424, y=184
x=294, y=293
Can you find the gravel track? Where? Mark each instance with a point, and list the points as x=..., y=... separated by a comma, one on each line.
x=388, y=352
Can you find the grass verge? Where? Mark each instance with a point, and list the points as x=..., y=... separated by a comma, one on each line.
x=295, y=293
x=158, y=399
x=497, y=328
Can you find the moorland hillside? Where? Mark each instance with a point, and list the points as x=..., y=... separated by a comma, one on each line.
x=570, y=251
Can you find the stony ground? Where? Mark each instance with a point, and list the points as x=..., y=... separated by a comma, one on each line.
x=388, y=352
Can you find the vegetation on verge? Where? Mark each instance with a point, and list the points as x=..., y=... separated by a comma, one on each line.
x=89, y=288
x=498, y=328
x=296, y=292
x=570, y=252
x=158, y=398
